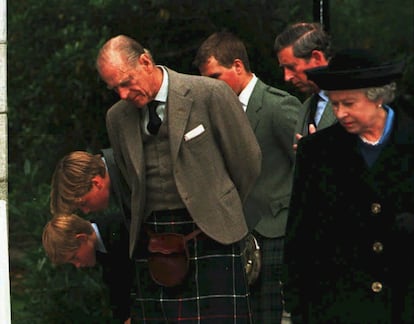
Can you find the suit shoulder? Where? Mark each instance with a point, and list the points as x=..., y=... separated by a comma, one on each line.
x=273, y=94
x=190, y=79
x=275, y=91
x=197, y=85
x=278, y=92
x=118, y=107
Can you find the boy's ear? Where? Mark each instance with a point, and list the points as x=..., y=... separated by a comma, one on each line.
x=97, y=181
x=82, y=237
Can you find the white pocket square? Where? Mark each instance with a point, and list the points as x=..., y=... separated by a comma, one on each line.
x=194, y=132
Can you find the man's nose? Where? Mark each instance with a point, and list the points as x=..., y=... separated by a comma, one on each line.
x=123, y=93
x=288, y=75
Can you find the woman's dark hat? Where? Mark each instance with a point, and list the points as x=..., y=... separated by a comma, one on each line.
x=355, y=69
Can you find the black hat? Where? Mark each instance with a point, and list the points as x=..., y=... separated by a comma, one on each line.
x=355, y=69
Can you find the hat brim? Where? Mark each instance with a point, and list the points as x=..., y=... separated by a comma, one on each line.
x=327, y=79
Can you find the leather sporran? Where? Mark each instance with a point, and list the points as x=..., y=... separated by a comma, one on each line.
x=252, y=258
x=168, y=260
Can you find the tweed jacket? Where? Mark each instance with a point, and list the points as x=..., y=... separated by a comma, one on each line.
x=213, y=172
x=302, y=126
x=350, y=232
x=272, y=114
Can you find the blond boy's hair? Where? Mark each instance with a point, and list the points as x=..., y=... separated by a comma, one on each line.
x=72, y=179
x=59, y=236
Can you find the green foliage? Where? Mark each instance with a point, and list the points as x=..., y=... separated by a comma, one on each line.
x=385, y=26
x=61, y=295
x=57, y=103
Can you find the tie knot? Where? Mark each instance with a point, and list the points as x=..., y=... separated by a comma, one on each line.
x=154, y=122
x=153, y=104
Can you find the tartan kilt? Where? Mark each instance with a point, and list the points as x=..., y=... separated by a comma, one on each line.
x=214, y=291
x=266, y=296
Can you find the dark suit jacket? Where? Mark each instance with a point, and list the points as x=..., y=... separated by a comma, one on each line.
x=302, y=126
x=350, y=232
x=113, y=225
x=272, y=114
x=213, y=171
x=117, y=267
x=119, y=189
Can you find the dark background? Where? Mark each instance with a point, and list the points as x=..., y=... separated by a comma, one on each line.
x=57, y=103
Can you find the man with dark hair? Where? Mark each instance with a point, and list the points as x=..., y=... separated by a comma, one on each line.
x=299, y=47
x=272, y=114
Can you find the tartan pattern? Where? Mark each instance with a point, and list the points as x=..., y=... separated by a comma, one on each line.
x=215, y=290
x=266, y=298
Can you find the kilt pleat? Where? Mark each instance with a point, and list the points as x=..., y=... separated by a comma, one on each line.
x=214, y=291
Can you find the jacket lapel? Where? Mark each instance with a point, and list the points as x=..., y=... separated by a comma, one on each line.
x=255, y=104
x=133, y=137
x=178, y=111
x=328, y=117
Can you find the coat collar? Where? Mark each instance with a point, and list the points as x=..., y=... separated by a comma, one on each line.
x=255, y=103
x=178, y=109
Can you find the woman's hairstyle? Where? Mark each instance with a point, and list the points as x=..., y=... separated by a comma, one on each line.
x=386, y=92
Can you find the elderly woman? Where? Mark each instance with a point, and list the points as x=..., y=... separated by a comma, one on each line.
x=350, y=234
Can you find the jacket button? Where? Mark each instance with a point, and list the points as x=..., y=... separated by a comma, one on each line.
x=377, y=247
x=375, y=208
x=376, y=286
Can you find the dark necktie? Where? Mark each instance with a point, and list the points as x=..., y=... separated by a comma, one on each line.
x=313, y=106
x=154, y=122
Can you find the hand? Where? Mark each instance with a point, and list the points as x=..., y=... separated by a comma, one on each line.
x=311, y=130
x=128, y=321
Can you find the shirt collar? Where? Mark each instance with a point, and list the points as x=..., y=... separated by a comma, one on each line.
x=100, y=246
x=163, y=92
x=323, y=95
x=388, y=124
x=244, y=96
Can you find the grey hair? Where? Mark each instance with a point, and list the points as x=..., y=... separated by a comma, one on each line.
x=386, y=93
x=120, y=48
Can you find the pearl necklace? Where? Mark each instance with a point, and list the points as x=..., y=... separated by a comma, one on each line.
x=373, y=143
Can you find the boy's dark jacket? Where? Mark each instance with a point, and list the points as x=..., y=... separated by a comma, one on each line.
x=117, y=267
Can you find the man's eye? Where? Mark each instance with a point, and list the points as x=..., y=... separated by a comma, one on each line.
x=124, y=84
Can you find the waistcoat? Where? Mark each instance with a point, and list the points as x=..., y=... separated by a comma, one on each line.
x=161, y=191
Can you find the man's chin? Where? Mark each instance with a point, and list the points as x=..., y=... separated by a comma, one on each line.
x=138, y=102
